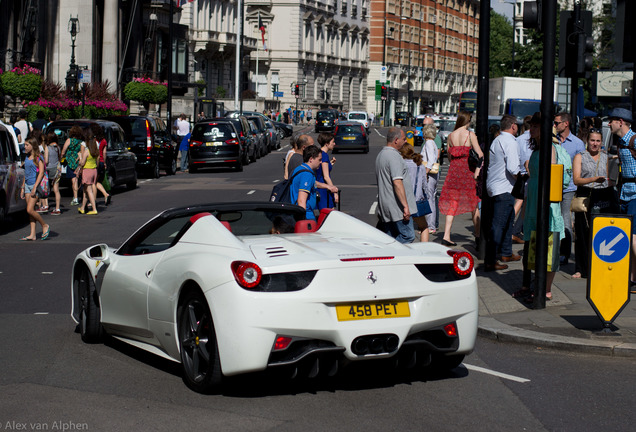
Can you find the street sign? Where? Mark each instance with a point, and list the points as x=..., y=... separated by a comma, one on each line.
x=85, y=76
x=278, y=94
x=608, y=282
x=383, y=73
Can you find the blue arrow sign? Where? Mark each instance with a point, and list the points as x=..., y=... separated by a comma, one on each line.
x=611, y=244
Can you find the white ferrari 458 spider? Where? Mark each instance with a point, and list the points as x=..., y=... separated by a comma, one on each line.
x=227, y=289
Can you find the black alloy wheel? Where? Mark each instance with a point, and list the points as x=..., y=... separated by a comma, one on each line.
x=199, y=351
x=90, y=326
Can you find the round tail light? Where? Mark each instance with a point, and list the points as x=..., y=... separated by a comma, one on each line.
x=463, y=262
x=247, y=274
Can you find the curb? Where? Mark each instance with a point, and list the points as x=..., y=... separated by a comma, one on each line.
x=492, y=329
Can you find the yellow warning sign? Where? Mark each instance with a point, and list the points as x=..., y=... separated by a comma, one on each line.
x=608, y=281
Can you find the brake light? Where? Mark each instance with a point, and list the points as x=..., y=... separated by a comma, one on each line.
x=195, y=143
x=247, y=274
x=335, y=130
x=233, y=141
x=450, y=329
x=463, y=262
x=367, y=259
x=364, y=135
x=282, y=342
x=148, y=137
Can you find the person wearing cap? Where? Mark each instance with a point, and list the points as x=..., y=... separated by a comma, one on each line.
x=620, y=123
x=573, y=145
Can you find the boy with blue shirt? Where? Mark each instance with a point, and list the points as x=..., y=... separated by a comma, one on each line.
x=304, y=184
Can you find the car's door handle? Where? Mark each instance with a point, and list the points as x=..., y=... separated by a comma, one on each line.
x=148, y=273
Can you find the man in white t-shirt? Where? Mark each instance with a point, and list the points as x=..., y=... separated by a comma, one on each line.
x=24, y=126
x=183, y=126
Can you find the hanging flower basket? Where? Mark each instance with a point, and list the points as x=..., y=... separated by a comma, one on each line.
x=22, y=83
x=146, y=91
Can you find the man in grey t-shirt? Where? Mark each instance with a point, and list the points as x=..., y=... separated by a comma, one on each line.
x=396, y=201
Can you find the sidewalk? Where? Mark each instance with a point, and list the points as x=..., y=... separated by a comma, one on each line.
x=568, y=322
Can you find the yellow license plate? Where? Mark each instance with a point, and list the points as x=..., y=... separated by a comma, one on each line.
x=374, y=310
x=212, y=144
x=348, y=138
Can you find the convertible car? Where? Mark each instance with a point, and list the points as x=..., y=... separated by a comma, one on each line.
x=226, y=289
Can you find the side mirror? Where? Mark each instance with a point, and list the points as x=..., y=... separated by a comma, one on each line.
x=100, y=252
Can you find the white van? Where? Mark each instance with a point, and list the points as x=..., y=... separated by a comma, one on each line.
x=359, y=117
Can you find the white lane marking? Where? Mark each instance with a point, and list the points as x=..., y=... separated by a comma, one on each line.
x=495, y=373
x=251, y=192
x=373, y=207
x=47, y=273
x=41, y=313
x=379, y=133
x=146, y=181
x=276, y=181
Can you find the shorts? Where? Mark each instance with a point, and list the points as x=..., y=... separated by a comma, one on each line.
x=28, y=188
x=70, y=173
x=55, y=173
x=89, y=176
x=419, y=222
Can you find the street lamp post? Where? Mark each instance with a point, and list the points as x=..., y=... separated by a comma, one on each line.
x=72, y=74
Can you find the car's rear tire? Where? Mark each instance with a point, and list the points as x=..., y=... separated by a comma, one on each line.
x=239, y=166
x=172, y=168
x=133, y=183
x=199, y=350
x=90, y=326
x=155, y=170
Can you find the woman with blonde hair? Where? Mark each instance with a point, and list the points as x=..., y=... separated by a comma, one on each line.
x=459, y=194
x=89, y=156
x=34, y=170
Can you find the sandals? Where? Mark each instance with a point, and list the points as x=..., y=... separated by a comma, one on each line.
x=576, y=275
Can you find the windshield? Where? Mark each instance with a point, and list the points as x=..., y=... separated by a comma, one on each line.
x=521, y=108
x=446, y=125
x=357, y=116
x=325, y=115
x=401, y=114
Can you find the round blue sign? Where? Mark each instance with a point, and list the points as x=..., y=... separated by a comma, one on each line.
x=409, y=134
x=611, y=244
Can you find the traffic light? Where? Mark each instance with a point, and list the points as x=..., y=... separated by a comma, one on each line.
x=297, y=90
x=585, y=59
x=274, y=88
x=383, y=92
x=532, y=14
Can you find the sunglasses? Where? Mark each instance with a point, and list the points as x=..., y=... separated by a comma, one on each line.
x=595, y=130
x=556, y=123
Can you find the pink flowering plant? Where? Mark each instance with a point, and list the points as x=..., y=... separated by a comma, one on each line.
x=22, y=82
x=146, y=91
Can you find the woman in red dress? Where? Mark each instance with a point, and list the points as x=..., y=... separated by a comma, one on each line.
x=459, y=194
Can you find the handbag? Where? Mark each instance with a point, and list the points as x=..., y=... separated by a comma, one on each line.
x=553, y=251
x=519, y=189
x=43, y=188
x=580, y=204
x=434, y=169
x=474, y=161
x=423, y=207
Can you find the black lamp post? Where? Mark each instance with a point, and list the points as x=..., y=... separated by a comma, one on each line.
x=72, y=74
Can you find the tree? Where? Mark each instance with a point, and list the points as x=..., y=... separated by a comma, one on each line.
x=500, y=45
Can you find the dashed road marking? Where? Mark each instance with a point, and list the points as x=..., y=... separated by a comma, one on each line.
x=374, y=206
x=251, y=192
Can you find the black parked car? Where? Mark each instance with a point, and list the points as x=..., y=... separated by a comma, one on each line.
x=120, y=161
x=259, y=139
x=248, y=143
x=150, y=139
x=326, y=121
x=286, y=129
x=351, y=136
x=214, y=143
x=263, y=129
